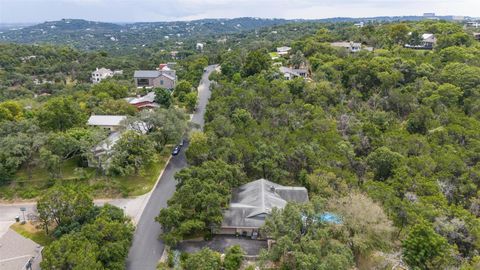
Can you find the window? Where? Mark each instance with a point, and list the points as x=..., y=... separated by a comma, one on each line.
x=161, y=82
x=143, y=82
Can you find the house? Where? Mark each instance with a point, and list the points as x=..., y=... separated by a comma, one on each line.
x=200, y=46
x=428, y=41
x=117, y=126
x=145, y=102
x=164, y=78
x=110, y=122
x=283, y=50
x=350, y=46
x=476, y=36
x=359, y=25
x=473, y=24
x=102, y=73
x=291, y=73
x=253, y=202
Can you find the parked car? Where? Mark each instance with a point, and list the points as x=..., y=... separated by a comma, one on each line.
x=176, y=150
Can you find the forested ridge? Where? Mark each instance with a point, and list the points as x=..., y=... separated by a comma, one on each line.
x=387, y=139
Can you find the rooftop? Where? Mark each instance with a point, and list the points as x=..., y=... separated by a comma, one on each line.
x=106, y=120
x=150, y=97
x=251, y=202
x=146, y=73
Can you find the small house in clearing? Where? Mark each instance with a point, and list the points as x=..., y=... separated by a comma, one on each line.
x=292, y=73
x=284, y=50
x=253, y=202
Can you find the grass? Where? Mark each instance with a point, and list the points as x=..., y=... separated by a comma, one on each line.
x=29, y=231
x=25, y=187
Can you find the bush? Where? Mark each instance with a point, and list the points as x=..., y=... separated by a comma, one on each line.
x=233, y=258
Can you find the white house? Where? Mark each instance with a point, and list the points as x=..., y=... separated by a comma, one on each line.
x=110, y=122
x=350, y=46
x=283, y=50
x=290, y=73
x=200, y=46
x=101, y=73
x=427, y=43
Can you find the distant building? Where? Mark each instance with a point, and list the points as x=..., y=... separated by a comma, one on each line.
x=429, y=14
x=200, y=46
x=473, y=24
x=359, y=25
x=291, y=73
x=102, y=73
x=476, y=36
x=350, y=46
x=253, y=202
x=428, y=41
x=283, y=50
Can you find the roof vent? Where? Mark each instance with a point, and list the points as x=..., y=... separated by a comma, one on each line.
x=272, y=188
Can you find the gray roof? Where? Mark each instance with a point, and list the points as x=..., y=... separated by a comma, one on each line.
x=150, y=97
x=251, y=202
x=16, y=250
x=146, y=74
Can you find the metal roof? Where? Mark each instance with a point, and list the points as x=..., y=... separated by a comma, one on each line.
x=106, y=120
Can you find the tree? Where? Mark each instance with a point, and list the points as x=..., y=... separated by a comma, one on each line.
x=205, y=259
x=73, y=252
x=366, y=227
x=61, y=113
x=110, y=88
x=131, y=153
x=255, y=62
x=65, y=207
x=182, y=89
x=383, y=161
x=163, y=97
x=11, y=111
x=425, y=249
x=399, y=33
x=191, y=101
x=197, y=151
x=233, y=258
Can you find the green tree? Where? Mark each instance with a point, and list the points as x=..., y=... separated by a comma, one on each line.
x=255, y=62
x=110, y=88
x=61, y=113
x=233, y=258
x=197, y=151
x=425, y=249
x=163, y=97
x=205, y=259
x=383, y=161
x=131, y=153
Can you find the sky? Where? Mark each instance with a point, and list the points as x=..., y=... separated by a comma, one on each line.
x=18, y=11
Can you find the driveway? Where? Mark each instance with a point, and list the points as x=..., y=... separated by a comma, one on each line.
x=147, y=249
x=221, y=242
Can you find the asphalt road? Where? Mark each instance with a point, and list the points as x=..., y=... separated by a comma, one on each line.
x=147, y=248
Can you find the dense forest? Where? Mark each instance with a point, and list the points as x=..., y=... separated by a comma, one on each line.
x=388, y=140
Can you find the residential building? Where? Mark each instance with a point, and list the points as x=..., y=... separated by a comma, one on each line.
x=350, y=46
x=428, y=41
x=110, y=122
x=102, y=73
x=476, y=36
x=200, y=46
x=145, y=102
x=163, y=77
x=291, y=73
x=253, y=202
x=473, y=24
x=283, y=50
x=117, y=126
x=359, y=25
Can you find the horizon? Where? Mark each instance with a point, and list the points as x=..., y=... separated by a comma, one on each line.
x=130, y=11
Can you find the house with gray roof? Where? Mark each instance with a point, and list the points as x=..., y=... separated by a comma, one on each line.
x=292, y=73
x=163, y=77
x=253, y=202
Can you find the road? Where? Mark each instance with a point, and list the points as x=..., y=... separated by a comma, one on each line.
x=147, y=249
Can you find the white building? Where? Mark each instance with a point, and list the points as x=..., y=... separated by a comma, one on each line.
x=101, y=73
x=350, y=46
x=290, y=73
x=111, y=122
x=200, y=46
x=283, y=50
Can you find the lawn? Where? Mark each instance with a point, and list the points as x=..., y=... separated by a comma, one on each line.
x=29, y=231
x=25, y=187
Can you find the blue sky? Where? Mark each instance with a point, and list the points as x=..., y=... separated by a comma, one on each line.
x=168, y=10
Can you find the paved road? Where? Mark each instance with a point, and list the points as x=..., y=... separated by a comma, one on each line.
x=147, y=248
